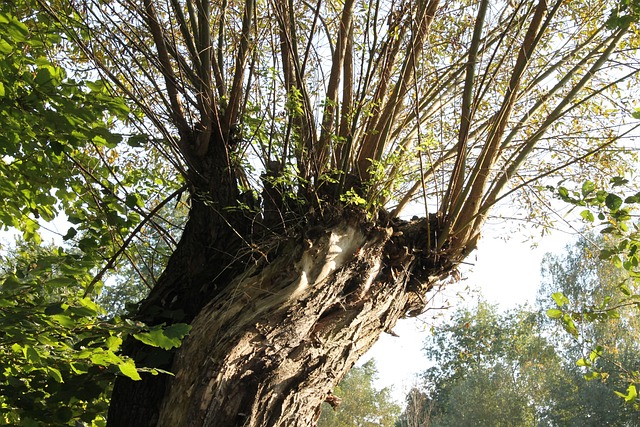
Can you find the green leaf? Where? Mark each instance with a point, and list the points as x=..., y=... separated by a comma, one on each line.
x=554, y=313
x=113, y=343
x=560, y=299
x=91, y=306
x=563, y=192
x=613, y=201
x=590, y=376
x=177, y=330
x=618, y=180
x=631, y=395
x=17, y=30
x=96, y=86
x=55, y=374
x=5, y=47
x=128, y=368
x=632, y=199
x=569, y=325
x=71, y=233
x=583, y=362
x=137, y=141
x=587, y=215
x=60, y=282
x=79, y=368
x=606, y=253
x=625, y=289
x=587, y=188
x=64, y=320
x=166, y=339
x=133, y=201
x=32, y=355
x=613, y=314
x=55, y=308
x=105, y=358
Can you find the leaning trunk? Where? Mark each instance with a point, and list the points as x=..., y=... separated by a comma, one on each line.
x=269, y=347
x=268, y=350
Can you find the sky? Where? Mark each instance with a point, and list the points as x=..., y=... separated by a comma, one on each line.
x=505, y=272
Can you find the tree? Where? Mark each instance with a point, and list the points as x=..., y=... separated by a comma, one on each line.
x=492, y=369
x=507, y=369
x=602, y=322
x=599, y=297
x=300, y=132
x=360, y=404
x=417, y=411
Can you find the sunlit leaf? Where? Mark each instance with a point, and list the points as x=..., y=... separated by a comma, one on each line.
x=560, y=299
x=128, y=368
x=554, y=313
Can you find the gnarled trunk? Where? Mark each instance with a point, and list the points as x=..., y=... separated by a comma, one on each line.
x=269, y=347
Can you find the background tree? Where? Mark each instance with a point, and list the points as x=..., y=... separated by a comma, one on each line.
x=298, y=134
x=603, y=326
x=601, y=320
x=519, y=368
x=417, y=410
x=361, y=404
x=491, y=369
x=518, y=376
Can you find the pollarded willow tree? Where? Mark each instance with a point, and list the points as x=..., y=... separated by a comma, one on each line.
x=301, y=130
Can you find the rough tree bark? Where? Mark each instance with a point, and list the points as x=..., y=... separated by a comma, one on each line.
x=276, y=324
x=269, y=349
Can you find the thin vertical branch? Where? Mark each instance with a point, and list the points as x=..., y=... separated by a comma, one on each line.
x=236, y=93
x=177, y=114
x=205, y=88
x=331, y=99
x=184, y=31
x=218, y=69
x=459, y=218
x=458, y=174
x=343, y=153
x=375, y=143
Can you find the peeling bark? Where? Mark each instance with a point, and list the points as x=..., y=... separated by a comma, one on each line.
x=270, y=348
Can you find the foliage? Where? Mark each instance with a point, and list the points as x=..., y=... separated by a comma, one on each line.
x=57, y=356
x=58, y=348
x=45, y=117
x=484, y=362
x=513, y=368
x=601, y=312
x=58, y=352
x=361, y=405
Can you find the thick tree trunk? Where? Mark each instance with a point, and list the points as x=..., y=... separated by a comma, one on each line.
x=279, y=312
x=268, y=350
